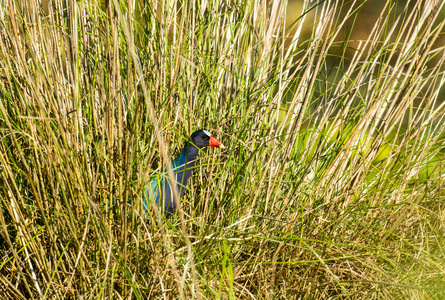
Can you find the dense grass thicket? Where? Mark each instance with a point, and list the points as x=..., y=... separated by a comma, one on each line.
x=331, y=186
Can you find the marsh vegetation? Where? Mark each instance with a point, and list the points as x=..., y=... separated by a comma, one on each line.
x=331, y=186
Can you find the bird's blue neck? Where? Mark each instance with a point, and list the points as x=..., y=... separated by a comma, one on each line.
x=183, y=166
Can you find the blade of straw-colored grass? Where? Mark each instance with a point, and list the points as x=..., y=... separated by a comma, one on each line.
x=163, y=148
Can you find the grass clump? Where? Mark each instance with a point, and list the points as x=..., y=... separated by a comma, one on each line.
x=331, y=186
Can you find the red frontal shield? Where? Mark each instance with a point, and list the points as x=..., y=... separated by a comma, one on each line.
x=215, y=143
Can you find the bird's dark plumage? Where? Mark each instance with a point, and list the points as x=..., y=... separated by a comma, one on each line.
x=159, y=192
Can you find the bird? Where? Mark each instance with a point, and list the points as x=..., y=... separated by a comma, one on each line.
x=158, y=193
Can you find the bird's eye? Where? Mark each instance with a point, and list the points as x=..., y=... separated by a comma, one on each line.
x=206, y=137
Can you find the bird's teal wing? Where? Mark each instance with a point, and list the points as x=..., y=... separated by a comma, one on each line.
x=158, y=188
x=152, y=195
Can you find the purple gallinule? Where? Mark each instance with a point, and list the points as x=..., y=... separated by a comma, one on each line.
x=159, y=191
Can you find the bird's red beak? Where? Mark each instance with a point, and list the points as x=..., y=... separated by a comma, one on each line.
x=215, y=143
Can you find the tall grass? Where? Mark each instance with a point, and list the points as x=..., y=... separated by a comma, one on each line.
x=331, y=186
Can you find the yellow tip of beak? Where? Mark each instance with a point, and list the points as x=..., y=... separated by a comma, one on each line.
x=222, y=146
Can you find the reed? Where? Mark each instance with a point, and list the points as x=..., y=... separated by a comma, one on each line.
x=331, y=185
